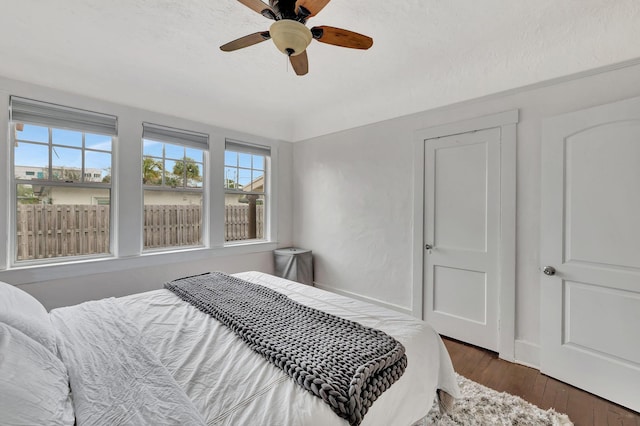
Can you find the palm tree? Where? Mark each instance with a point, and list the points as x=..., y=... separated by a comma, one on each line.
x=151, y=171
x=187, y=169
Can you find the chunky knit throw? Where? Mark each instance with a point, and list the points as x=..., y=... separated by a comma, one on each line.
x=345, y=363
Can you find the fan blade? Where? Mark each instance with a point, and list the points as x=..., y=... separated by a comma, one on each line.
x=246, y=41
x=340, y=37
x=311, y=6
x=300, y=63
x=261, y=7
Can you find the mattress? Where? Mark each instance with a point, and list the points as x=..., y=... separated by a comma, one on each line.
x=230, y=384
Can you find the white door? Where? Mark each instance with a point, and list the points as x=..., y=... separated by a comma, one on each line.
x=462, y=231
x=590, y=306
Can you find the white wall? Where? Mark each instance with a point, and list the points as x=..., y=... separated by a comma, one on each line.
x=353, y=196
x=131, y=270
x=70, y=291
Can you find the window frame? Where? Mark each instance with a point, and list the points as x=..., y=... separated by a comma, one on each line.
x=253, y=149
x=57, y=183
x=172, y=137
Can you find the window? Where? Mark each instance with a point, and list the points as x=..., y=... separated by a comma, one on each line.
x=245, y=184
x=55, y=149
x=173, y=171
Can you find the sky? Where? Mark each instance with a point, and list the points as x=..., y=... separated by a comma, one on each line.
x=242, y=168
x=32, y=150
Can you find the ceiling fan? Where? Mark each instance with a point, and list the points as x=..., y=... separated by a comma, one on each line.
x=290, y=34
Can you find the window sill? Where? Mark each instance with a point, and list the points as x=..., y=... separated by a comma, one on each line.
x=242, y=243
x=26, y=274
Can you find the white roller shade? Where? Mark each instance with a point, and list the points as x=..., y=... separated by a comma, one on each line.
x=159, y=133
x=247, y=148
x=29, y=111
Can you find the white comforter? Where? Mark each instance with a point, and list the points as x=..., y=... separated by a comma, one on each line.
x=115, y=380
x=231, y=385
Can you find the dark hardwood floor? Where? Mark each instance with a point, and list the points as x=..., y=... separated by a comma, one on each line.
x=583, y=408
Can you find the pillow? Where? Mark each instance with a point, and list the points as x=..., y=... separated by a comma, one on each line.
x=23, y=312
x=34, y=385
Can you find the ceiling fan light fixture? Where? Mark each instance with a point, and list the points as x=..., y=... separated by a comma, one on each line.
x=290, y=36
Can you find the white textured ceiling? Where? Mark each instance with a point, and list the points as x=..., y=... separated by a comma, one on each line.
x=163, y=55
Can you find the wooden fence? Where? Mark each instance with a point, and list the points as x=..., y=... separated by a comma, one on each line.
x=45, y=231
x=236, y=222
x=171, y=226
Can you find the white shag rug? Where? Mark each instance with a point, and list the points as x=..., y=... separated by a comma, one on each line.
x=481, y=406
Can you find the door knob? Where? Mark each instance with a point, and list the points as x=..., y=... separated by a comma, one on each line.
x=549, y=270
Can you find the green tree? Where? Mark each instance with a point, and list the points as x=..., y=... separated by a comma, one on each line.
x=107, y=178
x=26, y=195
x=186, y=169
x=232, y=184
x=151, y=171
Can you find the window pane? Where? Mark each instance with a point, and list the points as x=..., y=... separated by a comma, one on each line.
x=68, y=220
x=244, y=217
x=61, y=221
x=152, y=148
x=257, y=182
x=244, y=160
x=244, y=177
x=195, y=154
x=152, y=171
x=66, y=137
x=33, y=133
x=174, y=173
x=172, y=219
x=248, y=175
x=175, y=152
x=230, y=158
x=258, y=162
x=66, y=164
x=194, y=174
x=101, y=142
x=98, y=166
x=230, y=177
x=31, y=161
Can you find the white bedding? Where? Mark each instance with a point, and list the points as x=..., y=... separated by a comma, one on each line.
x=231, y=385
x=114, y=379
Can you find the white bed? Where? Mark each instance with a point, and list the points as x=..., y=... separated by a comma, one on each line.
x=229, y=384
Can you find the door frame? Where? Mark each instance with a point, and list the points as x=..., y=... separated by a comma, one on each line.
x=507, y=122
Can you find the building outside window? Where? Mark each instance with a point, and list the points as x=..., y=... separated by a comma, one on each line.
x=173, y=174
x=62, y=161
x=245, y=184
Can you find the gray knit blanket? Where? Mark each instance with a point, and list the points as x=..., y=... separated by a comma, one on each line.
x=345, y=363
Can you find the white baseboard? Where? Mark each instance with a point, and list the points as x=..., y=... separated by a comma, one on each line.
x=357, y=296
x=527, y=353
